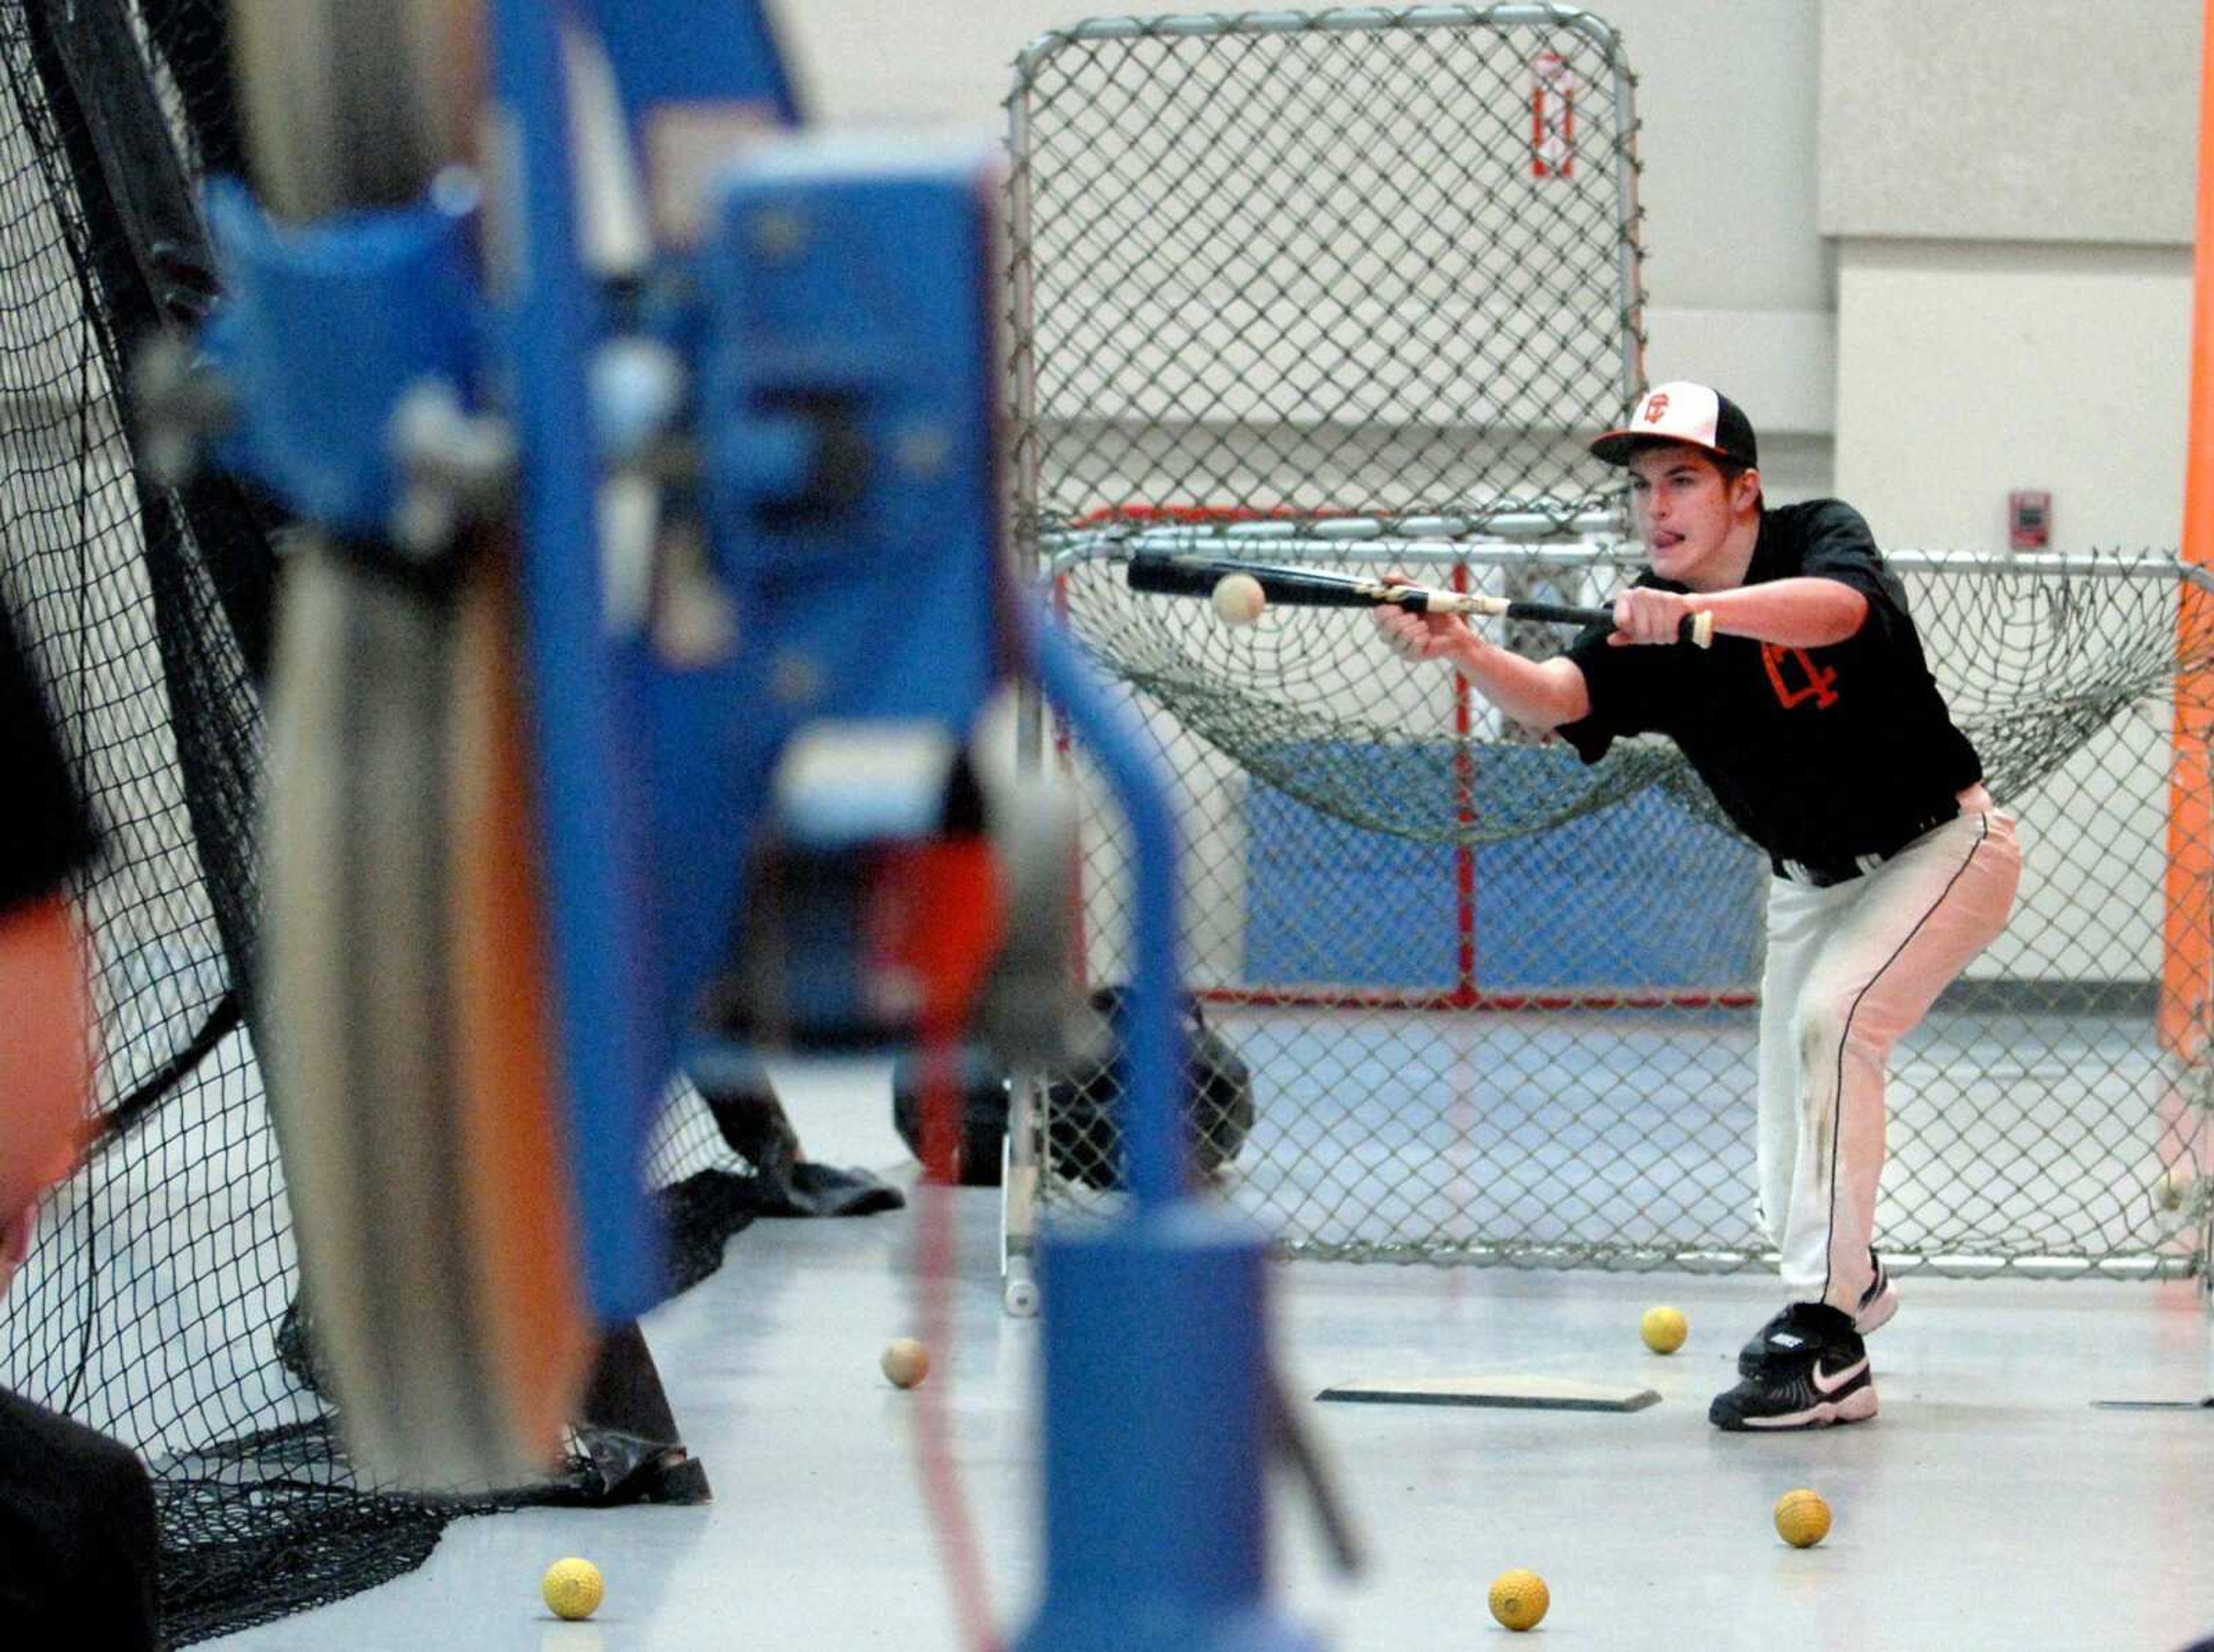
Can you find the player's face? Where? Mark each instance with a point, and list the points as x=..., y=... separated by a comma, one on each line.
x=1686, y=509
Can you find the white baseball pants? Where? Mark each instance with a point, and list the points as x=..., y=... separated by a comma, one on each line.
x=1852, y=969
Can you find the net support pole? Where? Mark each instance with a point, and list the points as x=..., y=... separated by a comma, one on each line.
x=1160, y=1408
x=2188, y=868
x=591, y=784
x=2188, y=952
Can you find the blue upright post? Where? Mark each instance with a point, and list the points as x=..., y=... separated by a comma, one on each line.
x=1159, y=1399
x=606, y=974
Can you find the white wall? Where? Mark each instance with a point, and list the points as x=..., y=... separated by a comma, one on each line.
x=2010, y=184
x=2010, y=120
x=1967, y=369
x=1739, y=277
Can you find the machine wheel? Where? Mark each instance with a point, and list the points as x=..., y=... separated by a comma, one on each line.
x=417, y=1109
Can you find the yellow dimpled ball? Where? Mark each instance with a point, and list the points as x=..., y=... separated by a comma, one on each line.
x=573, y=1588
x=905, y=1362
x=1519, y=1599
x=1664, y=1329
x=1802, y=1519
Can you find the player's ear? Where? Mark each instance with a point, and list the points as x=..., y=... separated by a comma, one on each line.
x=1745, y=492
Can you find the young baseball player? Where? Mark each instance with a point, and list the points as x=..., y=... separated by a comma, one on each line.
x=1815, y=722
x=78, y=1566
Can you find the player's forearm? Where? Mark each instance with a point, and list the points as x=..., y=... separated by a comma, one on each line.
x=1806, y=612
x=1539, y=693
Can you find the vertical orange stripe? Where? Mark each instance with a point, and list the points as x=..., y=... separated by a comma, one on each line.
x=2189, y=953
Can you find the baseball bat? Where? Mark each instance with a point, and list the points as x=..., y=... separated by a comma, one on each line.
x=1174, y=574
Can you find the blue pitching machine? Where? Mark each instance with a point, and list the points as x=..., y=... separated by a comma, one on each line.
x=649, y=589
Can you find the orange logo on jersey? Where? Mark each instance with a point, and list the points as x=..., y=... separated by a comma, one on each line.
x=1821, y=681
x=1656, y=406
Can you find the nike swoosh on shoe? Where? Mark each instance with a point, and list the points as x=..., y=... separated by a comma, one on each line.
x=1828, y=1382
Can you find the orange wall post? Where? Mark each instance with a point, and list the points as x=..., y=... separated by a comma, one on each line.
x=2188, y=971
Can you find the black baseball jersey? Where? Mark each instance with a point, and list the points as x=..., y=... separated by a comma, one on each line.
x=1818, y=754
x=45, y=832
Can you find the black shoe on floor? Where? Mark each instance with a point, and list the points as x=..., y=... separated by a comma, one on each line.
x=1807, y=1368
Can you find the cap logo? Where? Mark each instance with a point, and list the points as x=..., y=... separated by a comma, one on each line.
x=1656, y=407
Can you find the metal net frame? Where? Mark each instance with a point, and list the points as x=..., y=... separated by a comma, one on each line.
x=1249, y=252
x=1496, y=1006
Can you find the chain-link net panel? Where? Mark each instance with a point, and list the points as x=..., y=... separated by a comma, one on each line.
x=1249, y=251
x=1500, y=1007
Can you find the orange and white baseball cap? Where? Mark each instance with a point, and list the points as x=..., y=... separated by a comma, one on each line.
x=1693, y=414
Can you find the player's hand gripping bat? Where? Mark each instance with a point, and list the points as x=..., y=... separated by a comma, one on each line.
x=1175, y=574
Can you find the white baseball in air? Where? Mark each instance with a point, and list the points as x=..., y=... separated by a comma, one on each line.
x=1239, y=599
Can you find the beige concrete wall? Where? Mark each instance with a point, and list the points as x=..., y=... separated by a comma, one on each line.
x=2010, y=120
x=1967, y=370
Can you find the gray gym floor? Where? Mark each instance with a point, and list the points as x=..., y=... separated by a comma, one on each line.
x=1989, y=1505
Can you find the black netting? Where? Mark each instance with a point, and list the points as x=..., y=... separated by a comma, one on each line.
x=157, y=1302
